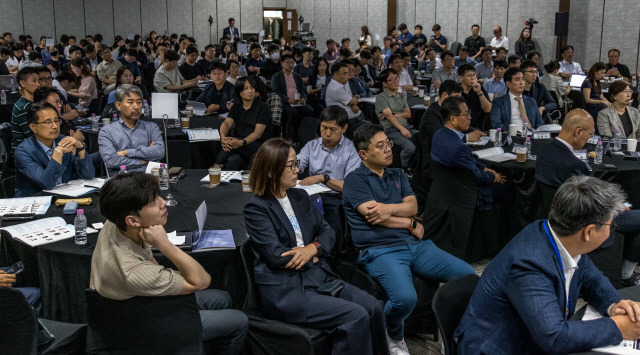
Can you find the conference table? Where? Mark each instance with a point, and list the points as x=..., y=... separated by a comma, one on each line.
x=62, y=268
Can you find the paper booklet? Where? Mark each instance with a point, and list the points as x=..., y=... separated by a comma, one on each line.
x=210, y=239
x=625, y=347
x=313, y=189
x=75, y=188
x=42, y=231
x=38, y=205
x=495, y=154
x=550, y=128
x=226, y=176
x=206, y=134
x=482, y=141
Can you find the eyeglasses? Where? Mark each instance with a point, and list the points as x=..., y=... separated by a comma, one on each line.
x=531, y=71
x=393, y=79
x=44, y=80
x=50, y=123
x=590, y=134
x=385, y=145
x=293, y=166
x=468, y=114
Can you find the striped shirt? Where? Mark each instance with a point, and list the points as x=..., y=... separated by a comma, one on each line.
x=121, y=268
x=19, y=126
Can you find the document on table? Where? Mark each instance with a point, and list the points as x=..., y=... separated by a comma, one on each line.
x=313, y=189
x=38, y=205
x=207, y=134
x=495, y=154
x=226, y=176
x=420, y=106
x=625, y=347
x=550, y=128
x=75, y=188
x=482, y=141
x=210, y=239
x=42, y=231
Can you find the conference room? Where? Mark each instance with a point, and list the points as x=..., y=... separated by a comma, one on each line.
x=316, y=177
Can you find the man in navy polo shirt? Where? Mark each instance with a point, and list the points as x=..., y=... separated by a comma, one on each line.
x=380, y=205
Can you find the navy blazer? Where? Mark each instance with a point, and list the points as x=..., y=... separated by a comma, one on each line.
x=227, y=31
x=430, y=123
x=501, y=112
x=518, y=306
x=36, y=172
x=271, y=234
x=555, y=164
x=449, y=150
x=279, y=85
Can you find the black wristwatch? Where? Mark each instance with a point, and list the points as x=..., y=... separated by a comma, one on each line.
x=81, y=148
x=326, y=179
x=414, y=224
x=244, y=142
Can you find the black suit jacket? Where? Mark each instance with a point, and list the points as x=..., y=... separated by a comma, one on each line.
x=431, y=122
x=556, y=163
x=271, y=233
x=279, y=85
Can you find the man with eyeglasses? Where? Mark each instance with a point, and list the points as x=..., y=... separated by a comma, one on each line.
x=47, y=158
x=535, y=89
x=69, y=111
x=380, y=207
x=514, y=107
x=107, y=69
x=556, y=163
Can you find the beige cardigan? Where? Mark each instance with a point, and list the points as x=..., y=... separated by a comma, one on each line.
x=609, y=121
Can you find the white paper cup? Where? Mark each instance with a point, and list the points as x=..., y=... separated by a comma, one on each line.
x=421, y=92
x=492, y=134
x=106, y=121
x=513, y=130
x=297, y=97
x=490, y=96
x=631, y=144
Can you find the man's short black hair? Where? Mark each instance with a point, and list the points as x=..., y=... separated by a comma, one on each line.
x=232, y=61
x=127, y=194
x=464, y=49
x=209, y=46
x=508, y=75
x=465, y=68
x=436, y=27
x=528, y=64
x=43, y=92
x=89, y=48
x=347, y=39
x=366, y=54
x=501, y=63
x=339, y=65
x=132, y=53
x=512, y=59
x=191, y=49
x=445, y=54
x=231, y=19
x=65, y=76
x=24, y=72
x=171, y=55
x=451, y=107
x=5, y=50
x=393, y=57
x=384, y=75
x=285, y=57
x=348, y=62
x=335, y=113
x=344, y=52
x=32, y=114
x=272, y=48
x=449, y=87
x=254, y=46
x=42, y=69
x=330, y=41
x=564, y=49
x=74, y=48
x=307, y=50
x=418, y=26
x=217, y=65
x=501, y=49
x=104, y=47
x=34, y=55
x=362, y=136
x=485, y=50
x=72, y=37
x=533, y=53
x=296, y=38
x=98, y=37
x=402, y=27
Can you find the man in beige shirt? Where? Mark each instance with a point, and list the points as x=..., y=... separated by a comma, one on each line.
x=107, y=69
x=123, y=265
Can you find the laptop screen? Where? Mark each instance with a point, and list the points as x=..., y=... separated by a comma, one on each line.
x=576, y=80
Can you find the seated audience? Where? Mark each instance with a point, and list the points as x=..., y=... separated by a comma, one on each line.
x=464, y=58
x=47, y=158
x=168, y=77
x=567, y=66
x=189, y=69
x=87, y=91
x=499, y=41
x=332, y=51
x=32, y=294
x=535, y=56
x=107, y=69
x=272, y=63
x=339, y=93
x=123, y=266
x=129, y=60
x=288, y=85
x=380, y=206
x=91, y=58
x=305, y=68
x=130, y=141
x=369, y=72
x=448, y=148
x=501, y=53
x=526, y=297
x=125, y=76
x=5, y=53
x=294, y=253
x=397, y=63
x=554, y=83
x=255, y=62
x=448, y=70
x=330, y=158
x=484, y=69
x=394, y=113
x=358, y=86
x=437, y=40
x=496, y=85
x=343, y=53
x=404, y=35
x=594, y=100
x=514, y=61
x=428, y=61
x=615, y=68
x=50, y=95
x=474, y=94
x=319, y=79
x=208, y=59
x=536, y=90
x=27, y=78
x=233, y=69
x=243, y=131
x=620, y=115
x=525, y=43
x=219, y=95
x=475, y=42
x=515, y=108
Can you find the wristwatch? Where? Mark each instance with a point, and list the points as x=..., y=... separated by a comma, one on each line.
x=81, y=148
x=414, y=224
x=318, y=247
x=326, y=179
x=244, y=142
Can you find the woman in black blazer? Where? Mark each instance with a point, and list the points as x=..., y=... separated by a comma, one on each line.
x=289, y=238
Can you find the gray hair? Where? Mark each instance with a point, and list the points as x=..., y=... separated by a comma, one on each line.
x=125, y=89
x=582, y=201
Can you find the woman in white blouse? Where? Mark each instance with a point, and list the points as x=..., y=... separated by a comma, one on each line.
x=365, y=35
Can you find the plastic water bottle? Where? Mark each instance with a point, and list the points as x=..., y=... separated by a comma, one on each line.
x=145, y=108
x=94, y=122
x=498, y=142
x=525, y=127
x=527, y=144
x=123, y=169
x=432, y=93
x=599, y=153
x=617, y=141
x=13, y=87
x=81, y=228
x=115, y=118
x=3, y=98
x=164, y=177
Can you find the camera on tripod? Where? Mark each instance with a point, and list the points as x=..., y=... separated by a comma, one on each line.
x=530, y=22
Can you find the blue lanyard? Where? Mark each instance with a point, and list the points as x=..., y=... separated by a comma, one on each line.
x=555, y=247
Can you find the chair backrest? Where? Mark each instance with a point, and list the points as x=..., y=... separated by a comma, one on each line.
x=9, y=186
x=455, y=47
x=150, y=325
x=19, y=325
x=449, y=304
x=546, y=194
x=308, y=130
x=251, y=302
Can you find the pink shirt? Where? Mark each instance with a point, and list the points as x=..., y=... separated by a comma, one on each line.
x=292, y=90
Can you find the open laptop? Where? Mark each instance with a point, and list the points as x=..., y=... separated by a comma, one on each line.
x=576, y=80
x=8, y=82
x=199, y=108
x=306, y=26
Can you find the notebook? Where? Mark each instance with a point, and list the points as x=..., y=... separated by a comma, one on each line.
x=199, y=108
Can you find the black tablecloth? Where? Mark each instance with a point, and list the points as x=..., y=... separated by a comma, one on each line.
x=64, y=267
x=6, y=109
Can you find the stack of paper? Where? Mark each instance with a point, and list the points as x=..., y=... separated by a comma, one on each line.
x=75, y=188
x=313, y=189
x=370, y=99
x=43, y=231
x=38, y=205
x=495, y=154
x=206, y=134
x=226, y=176
x=482, y=141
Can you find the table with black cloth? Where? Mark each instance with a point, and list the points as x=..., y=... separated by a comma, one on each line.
x=369, y=110
x=199, y=155
x=63, y=268
x=6, y=109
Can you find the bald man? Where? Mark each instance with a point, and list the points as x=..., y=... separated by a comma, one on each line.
x=556, y=163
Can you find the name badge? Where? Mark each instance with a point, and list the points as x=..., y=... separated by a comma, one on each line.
x=580, y=154
x=541, y=135
x=508, y=141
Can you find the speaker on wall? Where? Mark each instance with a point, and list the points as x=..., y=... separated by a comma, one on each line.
x=562, y=24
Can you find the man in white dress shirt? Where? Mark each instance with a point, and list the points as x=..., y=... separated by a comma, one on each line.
x=567, y=66
x=499, y=40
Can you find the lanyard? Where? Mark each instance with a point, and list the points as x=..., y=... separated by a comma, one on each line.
x=555, y=247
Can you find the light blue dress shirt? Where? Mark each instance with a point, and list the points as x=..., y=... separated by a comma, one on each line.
x=117, y=136
x=337, y=163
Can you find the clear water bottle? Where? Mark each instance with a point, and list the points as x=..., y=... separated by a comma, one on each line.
x=525, y=127
x=617, y=141
x=94, y=122
x=433, y=95
x=3, y=98
x=13, y=87
x=81, y=228
x=114, y=118
x=498, y=142
x=164, y=177
x=145, y=109
x=527, y=144
x=599, y=153
x=123, y=169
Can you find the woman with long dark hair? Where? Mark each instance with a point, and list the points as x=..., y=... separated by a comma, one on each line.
x=592, y=91
x=525, y=43
x=365, y=35
x=87, y=89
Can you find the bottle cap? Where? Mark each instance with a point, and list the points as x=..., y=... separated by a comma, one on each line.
x=599, y=142
x=123, y=167
x=162, y=165
x=499, y=129
x=528, y=139
x=80, y=211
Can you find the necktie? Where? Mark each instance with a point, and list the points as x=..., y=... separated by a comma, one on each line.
x=523, y=112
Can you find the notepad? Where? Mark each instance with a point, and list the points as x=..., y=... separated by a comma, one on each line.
x=495, y=154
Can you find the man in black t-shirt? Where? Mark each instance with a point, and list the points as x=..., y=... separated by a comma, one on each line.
x=474, y=94
x=614, y=68
x=189, y=69
x=475, y=43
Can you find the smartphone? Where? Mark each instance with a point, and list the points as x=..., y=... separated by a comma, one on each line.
x=15, y=268
x=628, y=205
